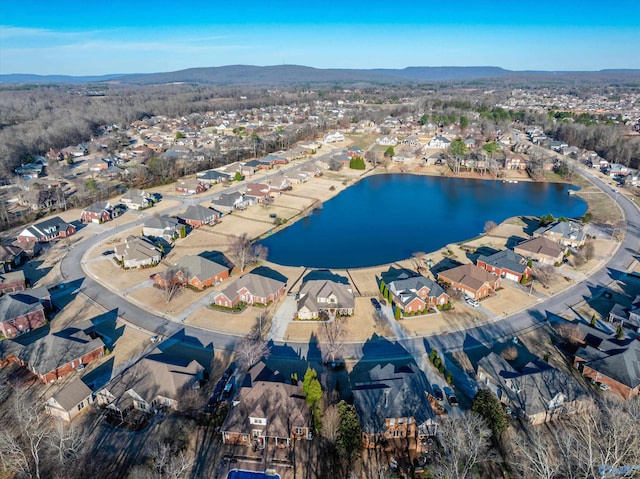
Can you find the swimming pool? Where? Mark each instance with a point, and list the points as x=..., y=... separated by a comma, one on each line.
x=241, y=474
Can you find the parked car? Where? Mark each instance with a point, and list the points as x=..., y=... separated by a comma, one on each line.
x=107, y=252
x=437, y=393
x=228, y=388
x=376, y=304
x=471, y=302
x=451, y=397
x=603, y=387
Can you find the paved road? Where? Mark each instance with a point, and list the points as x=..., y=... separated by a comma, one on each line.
x=375, y=348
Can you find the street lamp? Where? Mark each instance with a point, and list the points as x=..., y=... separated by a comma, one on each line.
x=530, y=287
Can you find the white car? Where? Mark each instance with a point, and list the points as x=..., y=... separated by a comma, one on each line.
x=472, y=302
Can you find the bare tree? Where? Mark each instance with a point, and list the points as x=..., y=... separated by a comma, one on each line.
x=544, y=273
x=331, y=423
x=250, y=350
x=418, y=259
x=589, y=250
x=66, y=442
x=489, y=226
x=331, y=338
x=465, y=443
x=167, y=462
x=534, y=454
x=244, y=253
x=171, y=284
x=372, y=157
x=510, y=353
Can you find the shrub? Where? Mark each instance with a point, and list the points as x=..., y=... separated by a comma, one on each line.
x=433, y=355
x=449, y=377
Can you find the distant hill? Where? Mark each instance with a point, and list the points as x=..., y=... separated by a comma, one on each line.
x=296, y=74
x=29, y=78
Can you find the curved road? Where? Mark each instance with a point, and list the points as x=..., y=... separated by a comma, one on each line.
x=377, y=348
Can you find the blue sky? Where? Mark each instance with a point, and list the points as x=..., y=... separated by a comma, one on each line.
x=113, y=36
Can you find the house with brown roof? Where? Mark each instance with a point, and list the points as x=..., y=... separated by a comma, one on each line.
x=259, y=192
x=267, y=409
x=12, y=255
x=190, y=187
x=98, y=212
x=67, y=403
x=20, y=313
x=12, y=282
x=137, y=252
x=251, y=288
x=154, y=382
x=196, y=271
x=471, y=280
x=541, y=249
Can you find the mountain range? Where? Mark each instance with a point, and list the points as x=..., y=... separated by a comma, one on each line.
x=296, y=74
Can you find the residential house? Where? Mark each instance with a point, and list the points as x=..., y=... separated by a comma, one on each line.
x=12, y=282
x=67, y=403
x=536, y=391
x=412, y=292
x=392, y=405
x=387, y=141
x=29, y=171
x=156, y=381
x=627, y=317
x=98, y=165
x=54, y=355
x=515, y=161
x=251, y=288
x=506, y=264
x=47, y=230
x=325, y=298
x=196, y=271
x=279, y=183
x=227, y=202
x=412, y=141
x=269, y=409
x=190, y=187
x=164, y=226
x=137, y=253
x=333, y=137
x=604, y=359
x=212, y=176
x=567, y=233
x=354, y=152
x=541, y=249
x=197, y=216
x=296, y=177
x=259, y=192
x=12, y=256
x=439, y=142
x=99, y=212
x=75, y=151
x=137, y=199
x=471, y=280
x=314, y=168
x=20, y=313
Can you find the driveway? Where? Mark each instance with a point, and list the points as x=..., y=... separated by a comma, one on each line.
x=282, y=317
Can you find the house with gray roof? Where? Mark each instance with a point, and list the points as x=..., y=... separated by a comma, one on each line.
x=227, y=202
x=506, y=264
x=251, y=288
x=51, y=356
x=67, y=403
x=213, y=176
x=164, y=226
x=412, y=292
x=47, y=230
x=12, y=282
x=198, y=215
x=604, y=359
x=536, y=391
x=392, y=405
x=325, y=298
x=269, y=409
x=137, y=199
x=99, y=212
x=626, y=316
x=567, y=233
x=137, y=252
x=19, y=314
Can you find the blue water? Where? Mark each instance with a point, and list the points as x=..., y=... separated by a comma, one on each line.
x=386, y=218
x=237, y=474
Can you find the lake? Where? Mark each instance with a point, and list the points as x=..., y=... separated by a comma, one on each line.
x=386, y=218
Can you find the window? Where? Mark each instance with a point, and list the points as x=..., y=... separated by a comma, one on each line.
x=401, y=420
x=142, y=406
x=259, y=421
x=81, y=405
x=392, y=421
x=299, y=430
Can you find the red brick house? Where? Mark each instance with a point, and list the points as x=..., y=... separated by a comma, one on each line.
x=98, y=212
x=471, y=280
x=195, y=271
x=12, y=282
x=251, y=288
x=412, y=292
x=56, y=354
x=20, y=313
x=197, y=216
x=47, y=230
x=506, y=264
